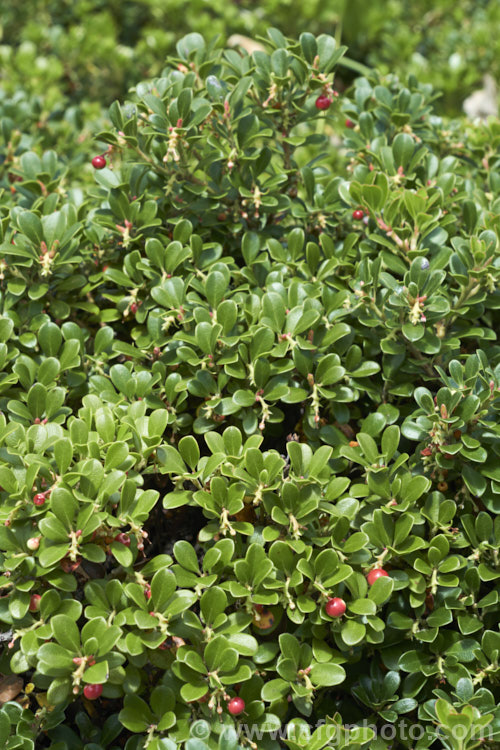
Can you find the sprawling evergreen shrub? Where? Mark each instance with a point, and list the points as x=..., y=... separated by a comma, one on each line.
x=250, y=364
x=90, y=49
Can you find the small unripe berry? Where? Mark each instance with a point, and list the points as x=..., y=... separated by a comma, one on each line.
x=236, y=706
x=335, y=607
x=35, y=603
x=358, y=214
x=375, y=574
x=323, y=102
x=92, y=692
x=424, y=264
x=123, y=539
x=98, y=162
x=39, y=498
x=33, y=543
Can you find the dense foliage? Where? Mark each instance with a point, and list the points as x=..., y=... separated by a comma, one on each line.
x=93, y=50
x=250, y=363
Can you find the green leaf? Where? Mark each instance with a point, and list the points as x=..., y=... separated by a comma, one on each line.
x=363, y=607
x=66, y=632
x=189, y=450
x=403, y=147
x=390, y=441
x=215, y=288
x=381, y=590
x=368, y=446
x=476, y=483
x=122, y=553
x=353, y=632
x=54, y=660
x=328, y=53
x=163, y=586
x=170, y=460
x=50, y=338
x=213, y=603
x=325, y=675
x=59, y=691
x=49, y=556
x=64, y=506
x=97, y=673
x=191, y=692
x=135, y=715
x=31, y=226
x=63, y=453
x=274, y=690
x=116, y=454
x=4, y=728
x=53, y=529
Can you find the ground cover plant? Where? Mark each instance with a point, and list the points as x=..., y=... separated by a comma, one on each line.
x=249, y=444
x=89, y=51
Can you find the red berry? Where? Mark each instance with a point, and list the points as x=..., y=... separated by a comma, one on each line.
x=123, y=539
x=349, y=123
x=335, y=607
x=98, y=162
x=92, y=692
x=35, y=603
x=133, y=308
x=375, y=574
x=323, y=102
x=358, y=214
x=39, y=498
x=236, y=706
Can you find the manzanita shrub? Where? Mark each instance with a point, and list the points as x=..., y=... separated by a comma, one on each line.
x=249, y=440
x=94, y=50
